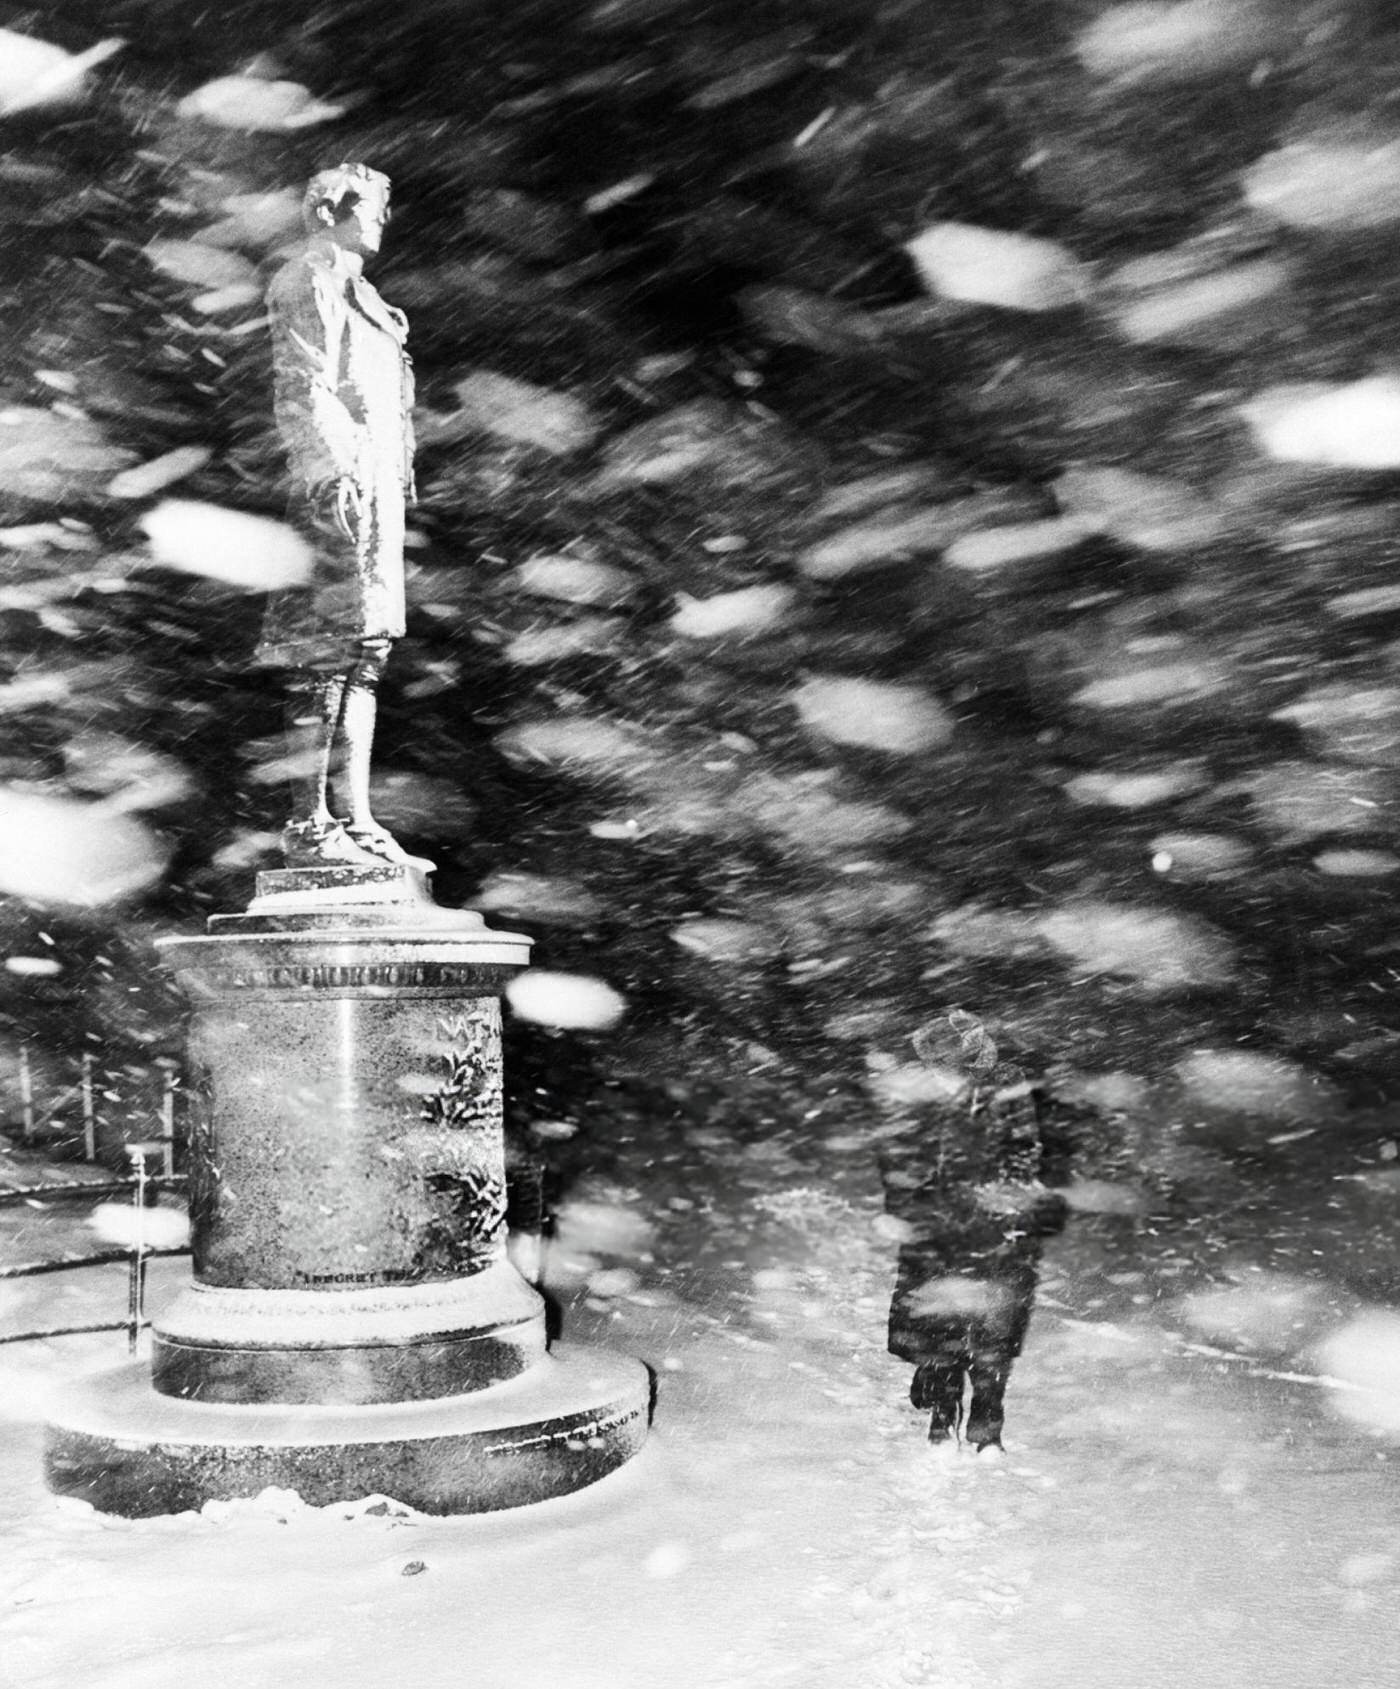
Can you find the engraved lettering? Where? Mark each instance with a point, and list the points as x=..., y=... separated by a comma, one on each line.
x=470, y=1092
x=435, y=976
x=459, y=1028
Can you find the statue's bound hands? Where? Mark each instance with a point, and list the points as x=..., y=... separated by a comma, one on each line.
x=337, y=508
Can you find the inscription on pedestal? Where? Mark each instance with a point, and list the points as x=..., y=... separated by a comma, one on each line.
x=450, y=978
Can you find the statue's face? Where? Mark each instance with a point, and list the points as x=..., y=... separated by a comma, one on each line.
x=362, y=228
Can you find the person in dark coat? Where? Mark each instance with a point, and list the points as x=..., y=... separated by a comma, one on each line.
x=970, y=1180
x=343, y=388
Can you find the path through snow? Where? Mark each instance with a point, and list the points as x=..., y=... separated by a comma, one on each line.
x=1163, y=1516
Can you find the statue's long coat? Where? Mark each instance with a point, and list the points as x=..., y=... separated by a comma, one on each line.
x=344, y=408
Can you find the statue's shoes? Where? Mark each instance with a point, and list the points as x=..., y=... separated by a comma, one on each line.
x=321, y=844
x=382, y=846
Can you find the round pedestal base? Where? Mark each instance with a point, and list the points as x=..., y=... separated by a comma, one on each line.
x=348, y=1348
x=563, y=1424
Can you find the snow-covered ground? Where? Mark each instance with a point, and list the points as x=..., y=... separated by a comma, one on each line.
x=1180, y=1503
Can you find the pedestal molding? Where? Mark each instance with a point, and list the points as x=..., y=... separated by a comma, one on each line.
x=408, y=962
x=564, y=1423
x=217, y=1316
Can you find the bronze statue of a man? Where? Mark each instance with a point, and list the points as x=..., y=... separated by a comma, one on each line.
x=344, y=408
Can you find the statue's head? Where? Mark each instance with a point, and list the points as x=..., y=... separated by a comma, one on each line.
x=350, y=204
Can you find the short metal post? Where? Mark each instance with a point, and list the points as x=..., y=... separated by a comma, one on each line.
x=167, y=1119
x=89, y=1118
x=26, y=1093
x=136, y=1275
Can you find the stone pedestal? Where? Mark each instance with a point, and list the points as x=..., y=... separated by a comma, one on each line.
x=353, y=1324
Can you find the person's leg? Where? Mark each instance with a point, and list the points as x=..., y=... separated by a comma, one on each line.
x=313, y=837
x=937, y=1387
x=989, y=1373
x=995, y=1340
x=312, y=714
x=357, y=721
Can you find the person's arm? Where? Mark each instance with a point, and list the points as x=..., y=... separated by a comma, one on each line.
x=409, y=442
x=322, y=437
